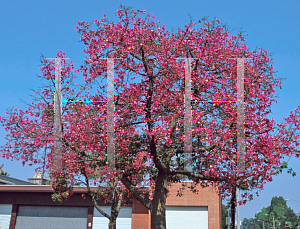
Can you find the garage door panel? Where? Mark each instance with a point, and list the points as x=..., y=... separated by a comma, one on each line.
x=5, y=214
x=193, y=217
x=45, y=217
x=25, y=222
x=48, y=211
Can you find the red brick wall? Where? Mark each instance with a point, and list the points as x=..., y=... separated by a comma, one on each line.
x=140, y=216
x=206, y=197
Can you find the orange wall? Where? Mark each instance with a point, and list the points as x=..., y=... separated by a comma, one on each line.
x=141, y=218
x=206, y=197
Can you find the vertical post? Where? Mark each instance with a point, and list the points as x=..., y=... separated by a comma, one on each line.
x=187, y=116
x=110, y=114
x=240, y=115
x=57, y=117
x=273, y=223
x=240, y=128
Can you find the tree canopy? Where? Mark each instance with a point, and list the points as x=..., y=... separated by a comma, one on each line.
x=284, y=216
x=151, y=66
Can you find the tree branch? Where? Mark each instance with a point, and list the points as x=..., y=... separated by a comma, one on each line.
x=76, y=149
x=195, y=175
x=136, y=192
x=96, y=205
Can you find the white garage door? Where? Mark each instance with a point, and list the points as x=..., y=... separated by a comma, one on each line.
x=123, y=219
x=5, y=214
x=44, y=217
x=187, y=217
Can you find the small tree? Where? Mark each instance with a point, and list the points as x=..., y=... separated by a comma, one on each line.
x=284, y=216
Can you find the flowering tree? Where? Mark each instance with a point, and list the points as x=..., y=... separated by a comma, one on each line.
x=151, y=65
x=83, y=158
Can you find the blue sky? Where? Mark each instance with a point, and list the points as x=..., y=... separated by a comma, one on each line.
x=30, y=28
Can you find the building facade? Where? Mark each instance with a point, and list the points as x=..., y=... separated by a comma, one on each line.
x=31, y=206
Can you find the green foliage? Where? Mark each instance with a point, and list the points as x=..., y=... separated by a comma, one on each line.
x=61, y=188
x=5, y=173
x=284, y=165
x=224, y=216
x=284, y=216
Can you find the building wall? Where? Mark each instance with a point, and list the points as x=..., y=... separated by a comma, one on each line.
x=207, y=196
x=42, y=197
x=141, y=218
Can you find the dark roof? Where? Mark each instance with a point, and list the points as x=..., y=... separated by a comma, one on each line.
x=5, y=180
x=38, y=188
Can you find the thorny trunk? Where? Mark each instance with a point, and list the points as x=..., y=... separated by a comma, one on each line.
x=158, y=213
x=232, y=215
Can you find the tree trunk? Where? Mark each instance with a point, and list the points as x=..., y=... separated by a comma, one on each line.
x=158, y=213
x=115, y=203
x=115, y=208
x=233, y=199
x=112, y=223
